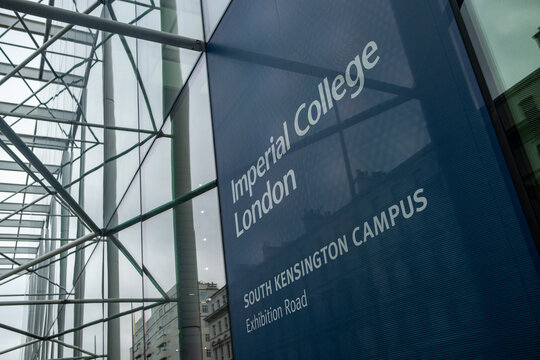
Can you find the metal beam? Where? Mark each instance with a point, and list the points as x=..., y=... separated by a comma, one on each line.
x=20, y=331
x=107, y=319
x=2, y=352
x=94, y=22
x=20, y=237
x=16, y=188
x=162, y=208
x=37, y=208
x=9, y=262
x=92, y=355
x=21, y=163
x=35, y=162
x=13, y=166
x=49, y=255
x=8, y=108
x=24, y=208
x=84, y=301
x=36, y=224
x=38, y=28
x=33, y=74
x=79, y=123
x=28, y=237
x=20, y=250
x=40, y=142
x=44, y=47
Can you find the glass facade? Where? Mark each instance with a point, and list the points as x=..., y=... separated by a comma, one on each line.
x=109, y=214
x=505, y=38
x=112, y=117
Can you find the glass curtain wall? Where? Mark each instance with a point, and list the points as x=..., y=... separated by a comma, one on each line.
x=110, y=240
x=505, y=38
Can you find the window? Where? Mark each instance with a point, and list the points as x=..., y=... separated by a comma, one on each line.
x=204, y=308
x=226, y=321
x=218, y=304
x=229, y=349
x=213, y=308
x=207, y=337
x=224, y=299
x=214, y=330
x=219, y=326
x=208, y=353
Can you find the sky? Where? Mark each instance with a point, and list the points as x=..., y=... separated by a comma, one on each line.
x=508, y=27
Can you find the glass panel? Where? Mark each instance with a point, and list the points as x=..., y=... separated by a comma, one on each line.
x=159, y=253
x=506, y=39
x=213, y=10
x=156, y=175
x=193, y=105
x=206, y=222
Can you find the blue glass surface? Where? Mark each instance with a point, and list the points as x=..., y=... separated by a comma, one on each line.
x=398, y=139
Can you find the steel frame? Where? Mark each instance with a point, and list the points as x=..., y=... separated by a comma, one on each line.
x=52, y=182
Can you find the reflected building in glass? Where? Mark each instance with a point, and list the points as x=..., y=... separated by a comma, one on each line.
x=158, y=337
x=219, y=328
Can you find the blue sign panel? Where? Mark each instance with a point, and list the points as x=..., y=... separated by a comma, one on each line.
x=366, y=208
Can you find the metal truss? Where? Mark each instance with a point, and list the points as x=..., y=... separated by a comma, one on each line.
x=43, y=141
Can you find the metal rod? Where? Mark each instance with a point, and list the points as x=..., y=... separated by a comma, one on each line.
x=99, y=321
x=79, y=123
x=158, y=210
x=48, y=52
x=36, y=163
x=23, y=295
x=119, y=155
x=79, y=357
x=24, y=207
x=73, y=347
x=49, y=255
x=14, y=156
x=20, y=331
x=19, y=346
x=45, y=45
x=55, y=74
x=83, y=301
x=135, y=69
x=93, y=22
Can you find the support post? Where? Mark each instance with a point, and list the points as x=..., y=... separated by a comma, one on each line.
x=64, y=234
x=79, y=276
x=189, y=321
x=52, y=274
x=109, y=195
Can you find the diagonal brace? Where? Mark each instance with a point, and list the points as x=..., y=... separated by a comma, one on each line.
x=38, y=165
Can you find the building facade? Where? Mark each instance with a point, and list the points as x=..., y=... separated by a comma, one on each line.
x=160, y=331
x=219, y=325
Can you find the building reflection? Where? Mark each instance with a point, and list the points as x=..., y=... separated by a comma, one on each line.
x=157, y=337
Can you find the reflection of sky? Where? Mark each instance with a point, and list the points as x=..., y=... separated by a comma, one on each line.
x=508, y=27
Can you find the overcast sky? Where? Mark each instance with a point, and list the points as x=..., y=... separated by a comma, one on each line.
x=508, y=27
